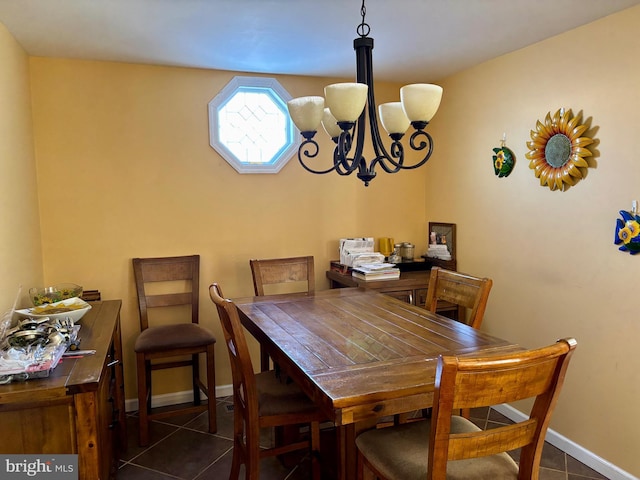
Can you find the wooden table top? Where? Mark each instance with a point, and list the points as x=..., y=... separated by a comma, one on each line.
x=358, y=353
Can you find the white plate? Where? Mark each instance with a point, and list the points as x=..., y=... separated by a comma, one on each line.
x=43, y=310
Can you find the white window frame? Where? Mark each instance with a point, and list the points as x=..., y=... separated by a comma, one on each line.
x=280, y=97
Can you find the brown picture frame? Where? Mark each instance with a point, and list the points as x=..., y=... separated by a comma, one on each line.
x=446, y=232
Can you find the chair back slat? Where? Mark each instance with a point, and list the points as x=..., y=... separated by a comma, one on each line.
x=490, y=442
x=282, y=270
x=453, y=290
x=184, y=270
x=168, y=300
x=167, y=270
x=468, y=292
x=473, y=382
x=477, y=388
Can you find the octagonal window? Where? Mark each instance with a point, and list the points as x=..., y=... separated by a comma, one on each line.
x=249, y=125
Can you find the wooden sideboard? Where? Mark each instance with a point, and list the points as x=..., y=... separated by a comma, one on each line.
x=79, y=408
x=411, y=287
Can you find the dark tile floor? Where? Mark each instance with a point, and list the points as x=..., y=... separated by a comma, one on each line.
x=181, y=448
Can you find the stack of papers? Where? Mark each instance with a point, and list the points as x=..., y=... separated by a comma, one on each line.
x=376, y=271
x=438, y=251
x=358, y=251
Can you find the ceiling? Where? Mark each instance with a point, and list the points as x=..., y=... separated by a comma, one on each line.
x=415, y=40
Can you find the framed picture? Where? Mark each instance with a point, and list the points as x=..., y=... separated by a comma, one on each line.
x=443, y=234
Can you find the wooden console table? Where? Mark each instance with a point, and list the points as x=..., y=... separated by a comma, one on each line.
x=411, y=287
x=79, y=408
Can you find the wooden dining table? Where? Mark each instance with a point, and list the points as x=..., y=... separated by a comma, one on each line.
x=359, y=354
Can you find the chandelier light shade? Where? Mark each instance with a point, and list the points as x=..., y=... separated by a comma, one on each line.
x=346, y=100
x=345, y=110
x=330, y=124
x=420, y=101
x=306, y=112
x=393, y=118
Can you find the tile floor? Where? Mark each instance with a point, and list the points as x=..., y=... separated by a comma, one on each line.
x=181, y=448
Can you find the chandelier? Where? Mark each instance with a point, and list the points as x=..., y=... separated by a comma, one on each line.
x=344, y=119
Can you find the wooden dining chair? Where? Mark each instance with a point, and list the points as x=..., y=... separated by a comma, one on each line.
x=261, y=400
x=451, y=447
x=169, y=287
x=469, y=293
x=273, y=273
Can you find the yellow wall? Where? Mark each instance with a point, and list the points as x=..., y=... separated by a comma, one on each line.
x=20, y=248
x=125, y=169
x=551, y=255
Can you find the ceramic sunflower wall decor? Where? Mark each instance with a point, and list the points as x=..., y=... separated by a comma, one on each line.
x=504, y=160
x=557, y=150
x=628, y=232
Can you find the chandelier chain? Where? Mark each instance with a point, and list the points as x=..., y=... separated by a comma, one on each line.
x=364, y=28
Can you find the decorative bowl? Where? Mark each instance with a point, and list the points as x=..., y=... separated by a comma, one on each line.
x=73, y=308
x=56, y=293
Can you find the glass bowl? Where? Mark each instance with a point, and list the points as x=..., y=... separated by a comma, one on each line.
x=56, y=293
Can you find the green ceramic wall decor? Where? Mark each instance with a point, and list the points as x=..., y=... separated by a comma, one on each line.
x=504, y=160
x=557, y=150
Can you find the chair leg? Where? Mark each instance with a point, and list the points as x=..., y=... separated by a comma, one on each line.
x=149, y=388
x=252, y=460
x=195, y=371
x=235, y=464
x=239, y=448
x=143, y=394
x=363, y=471
x=211, y=389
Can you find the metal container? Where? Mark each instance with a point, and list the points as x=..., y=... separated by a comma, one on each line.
x=407, y=251
x=395, y=257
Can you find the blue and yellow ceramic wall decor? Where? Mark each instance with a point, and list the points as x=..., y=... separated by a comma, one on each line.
x=628, y=232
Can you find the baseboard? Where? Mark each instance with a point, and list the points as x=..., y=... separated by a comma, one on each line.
x=578, y=452
x=131, y=404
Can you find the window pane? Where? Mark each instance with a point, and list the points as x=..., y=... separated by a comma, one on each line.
x=252, y=126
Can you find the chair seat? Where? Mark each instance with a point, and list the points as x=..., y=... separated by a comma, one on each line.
x=278, y=397
x=402, y=452
x=184, y=335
